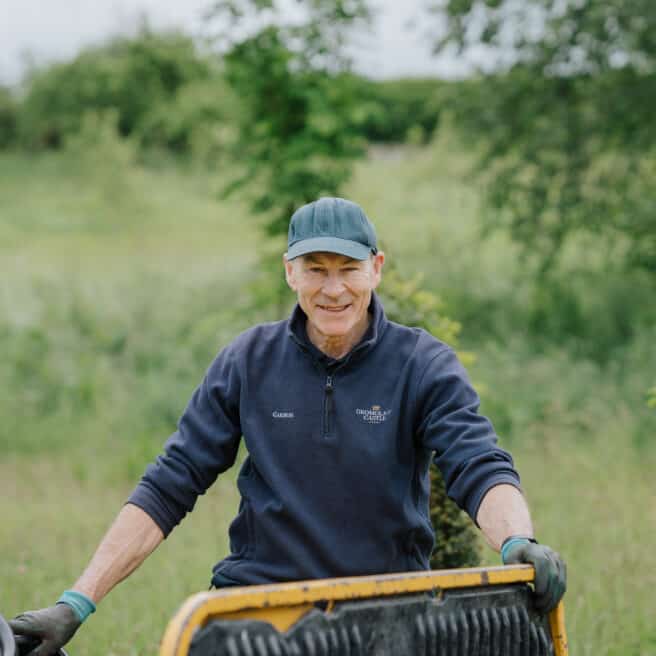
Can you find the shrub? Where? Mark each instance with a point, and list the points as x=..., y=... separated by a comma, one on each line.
x=129, y=75
x=197, y=120
x=457, y=544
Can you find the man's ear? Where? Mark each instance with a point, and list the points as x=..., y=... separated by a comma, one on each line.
x=377, y=262
x=290, y=272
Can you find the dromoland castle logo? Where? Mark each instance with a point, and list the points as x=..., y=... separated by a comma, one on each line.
x=373, y=415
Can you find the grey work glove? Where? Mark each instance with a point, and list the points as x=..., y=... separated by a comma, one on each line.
x=550, y=571
x=53, y=626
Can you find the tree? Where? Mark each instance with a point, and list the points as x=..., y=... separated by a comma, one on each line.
x=298, y=124
x=563, y=113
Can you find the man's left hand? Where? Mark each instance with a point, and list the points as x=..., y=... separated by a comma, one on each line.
x=550, y=571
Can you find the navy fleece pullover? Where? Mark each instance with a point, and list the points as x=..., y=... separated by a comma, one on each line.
x=336, y=478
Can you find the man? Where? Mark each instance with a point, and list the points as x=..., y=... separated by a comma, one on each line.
x=341, y=411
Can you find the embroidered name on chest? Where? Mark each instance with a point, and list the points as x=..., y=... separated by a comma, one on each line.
x=278, y=414
x=373, y=415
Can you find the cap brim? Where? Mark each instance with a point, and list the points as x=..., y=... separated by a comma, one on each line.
x=346, y=247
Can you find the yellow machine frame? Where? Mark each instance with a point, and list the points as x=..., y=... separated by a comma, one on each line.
x=283, y=604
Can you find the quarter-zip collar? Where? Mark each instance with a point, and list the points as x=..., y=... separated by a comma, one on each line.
x=297, y=330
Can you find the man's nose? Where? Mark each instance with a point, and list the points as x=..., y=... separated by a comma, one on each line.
x=333, y=285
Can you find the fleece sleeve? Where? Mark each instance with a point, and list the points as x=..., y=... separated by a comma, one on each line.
x=204, y=445
x=464, y=441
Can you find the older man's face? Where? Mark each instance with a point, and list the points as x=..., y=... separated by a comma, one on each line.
x=334, y=291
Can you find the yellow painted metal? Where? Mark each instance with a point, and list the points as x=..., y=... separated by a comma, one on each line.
x=557, y=626
x=282, y=604
x=282, y=617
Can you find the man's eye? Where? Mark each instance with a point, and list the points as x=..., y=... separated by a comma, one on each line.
x=316, y=269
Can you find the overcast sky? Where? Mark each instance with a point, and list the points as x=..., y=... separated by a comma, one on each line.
x=44, y=30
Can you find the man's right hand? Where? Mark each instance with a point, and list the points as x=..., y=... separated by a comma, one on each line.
x=53, y=626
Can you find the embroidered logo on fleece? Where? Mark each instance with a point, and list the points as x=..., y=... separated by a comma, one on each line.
x=279, y=414
x=373, y=415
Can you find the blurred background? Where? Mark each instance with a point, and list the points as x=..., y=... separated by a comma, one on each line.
x=150, y=157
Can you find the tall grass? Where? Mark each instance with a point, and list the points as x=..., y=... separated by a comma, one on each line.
x=113, y=300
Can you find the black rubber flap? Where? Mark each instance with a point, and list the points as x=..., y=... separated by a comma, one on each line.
x=495, y=621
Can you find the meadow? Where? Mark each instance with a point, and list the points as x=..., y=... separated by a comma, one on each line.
x=120, y=281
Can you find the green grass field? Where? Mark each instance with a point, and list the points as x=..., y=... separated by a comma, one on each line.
x=120, y=283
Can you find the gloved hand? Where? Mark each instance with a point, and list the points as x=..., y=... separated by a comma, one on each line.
x=550, y=570
x=54, y=626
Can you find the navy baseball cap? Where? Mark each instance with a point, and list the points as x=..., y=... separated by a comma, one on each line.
x=332, y=225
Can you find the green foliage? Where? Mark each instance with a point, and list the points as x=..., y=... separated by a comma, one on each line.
x=457, y=543
x=317, y=33
x=651, y=397
x=132, y=76
x=299, y=112
x=565, y=132
x=572, y=35
x=8, y=118
x=401, y=110
x=296, y=136
x=591, y=305
x=123, y=307
x=407, y=302
x=596, y=316
x=97, y=147
x=198, y=120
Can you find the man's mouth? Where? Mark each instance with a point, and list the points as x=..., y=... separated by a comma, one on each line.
x=336, y=309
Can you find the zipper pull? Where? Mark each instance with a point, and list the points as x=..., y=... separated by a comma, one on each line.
x=328, y=406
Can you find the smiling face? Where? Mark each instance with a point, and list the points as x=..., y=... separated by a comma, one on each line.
x=334, y=291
